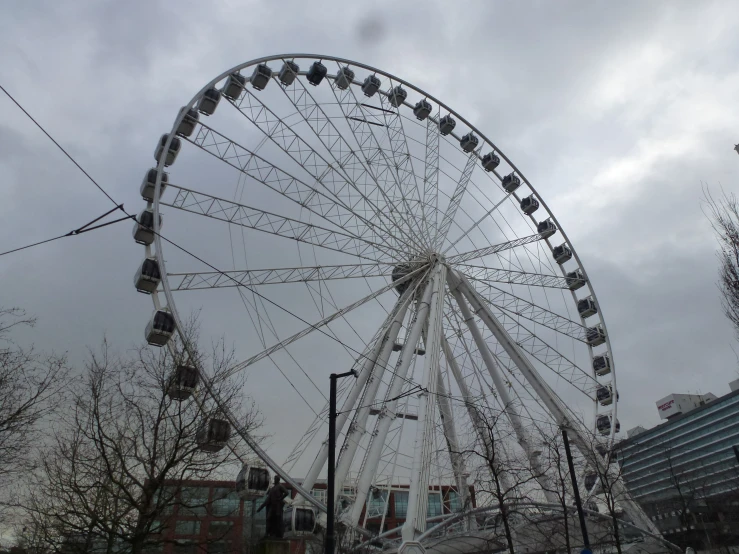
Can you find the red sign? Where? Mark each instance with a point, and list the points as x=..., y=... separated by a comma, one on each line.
x=666, y=405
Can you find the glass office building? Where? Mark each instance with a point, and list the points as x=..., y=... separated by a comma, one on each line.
x=685, y=472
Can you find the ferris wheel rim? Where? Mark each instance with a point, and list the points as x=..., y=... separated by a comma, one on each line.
x=160, y=168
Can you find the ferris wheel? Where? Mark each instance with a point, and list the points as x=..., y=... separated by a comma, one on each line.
x=337, y=217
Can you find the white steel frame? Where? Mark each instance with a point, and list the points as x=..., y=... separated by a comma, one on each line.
x=380, y=239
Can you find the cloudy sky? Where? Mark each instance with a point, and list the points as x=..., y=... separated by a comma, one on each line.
x=616, y=112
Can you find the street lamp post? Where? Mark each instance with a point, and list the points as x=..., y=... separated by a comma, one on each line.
x=576, y=490
x=330, y=494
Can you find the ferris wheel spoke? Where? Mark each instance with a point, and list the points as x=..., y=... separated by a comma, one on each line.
x=401, y=157
x=322, y=323
x=357, y=116
x=511, y=277
x=216, y=279
x=459, y=191
x=260, y=170
x=549, y=356
x=431, y=176
x=494, y=249
x=345, y=157
x=476, y=224
x=517, y=306
x=253, y=218
x=313, y=163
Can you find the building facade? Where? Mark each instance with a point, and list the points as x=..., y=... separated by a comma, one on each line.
x=685, y=472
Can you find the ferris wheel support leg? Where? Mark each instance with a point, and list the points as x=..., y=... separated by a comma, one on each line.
x=358, y=426
x=387, y=413
x=534, y=457
x=450, y=433
x=415, y=521
x=575, y=429
x=474, y=418
x=370, y=364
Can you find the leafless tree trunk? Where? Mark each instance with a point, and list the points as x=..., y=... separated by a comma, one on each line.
x=31, y=388
x=561, y=482
x=110, y=471
x=502, y=478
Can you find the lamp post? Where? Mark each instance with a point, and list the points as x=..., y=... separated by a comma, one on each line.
x=576, y=490
x=330, y=494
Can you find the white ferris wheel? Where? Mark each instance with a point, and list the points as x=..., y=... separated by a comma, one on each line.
x=343, y=218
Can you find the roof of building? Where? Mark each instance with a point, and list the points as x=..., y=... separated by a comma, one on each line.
x=676, y=419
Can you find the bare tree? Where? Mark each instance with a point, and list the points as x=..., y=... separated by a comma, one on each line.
x=31, y=388
x=501, y=476
x=560, y=486
x=724, y=216
x=114, y=470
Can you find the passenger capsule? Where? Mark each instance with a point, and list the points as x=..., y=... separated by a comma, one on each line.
x=400, y=271
x=575, y=279
x=213, y=434
x=595, y=336
x=529, y=205
x=209, y=101
x=147, y=276
x=590, y=480
x=182, y=382
x=592, y=505
x=172, y=151
x=188, y=123
x=490, y=161
x=422, y=110
x=344, y=78
x=252, y=482
x=160, y=328
x=563, y=254
x=260, y=76
x=602, y=365
x=316, y=73
x=397, y=95
x=605, y=395
x=603, y=424
x=446, y=125
x=234, y=85
x=546, y=228
x=299, y=521
x=469, y=142
x=586, y=307
x=371, y=85
x=147, y=185
x=143, y=227
x=288, y=72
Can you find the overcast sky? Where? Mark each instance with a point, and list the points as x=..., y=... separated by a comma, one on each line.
x=615, y=111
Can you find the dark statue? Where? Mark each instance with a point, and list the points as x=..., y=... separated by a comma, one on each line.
x=274, y=502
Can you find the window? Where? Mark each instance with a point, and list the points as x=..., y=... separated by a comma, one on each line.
x=165, y=499
x=220, y=529
x=319, y=494
x=225, y=502
x=377, y=505
x=194, y=500
x=453, y=499
x=187, y=527
x=434, y=506
x=401, y=503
